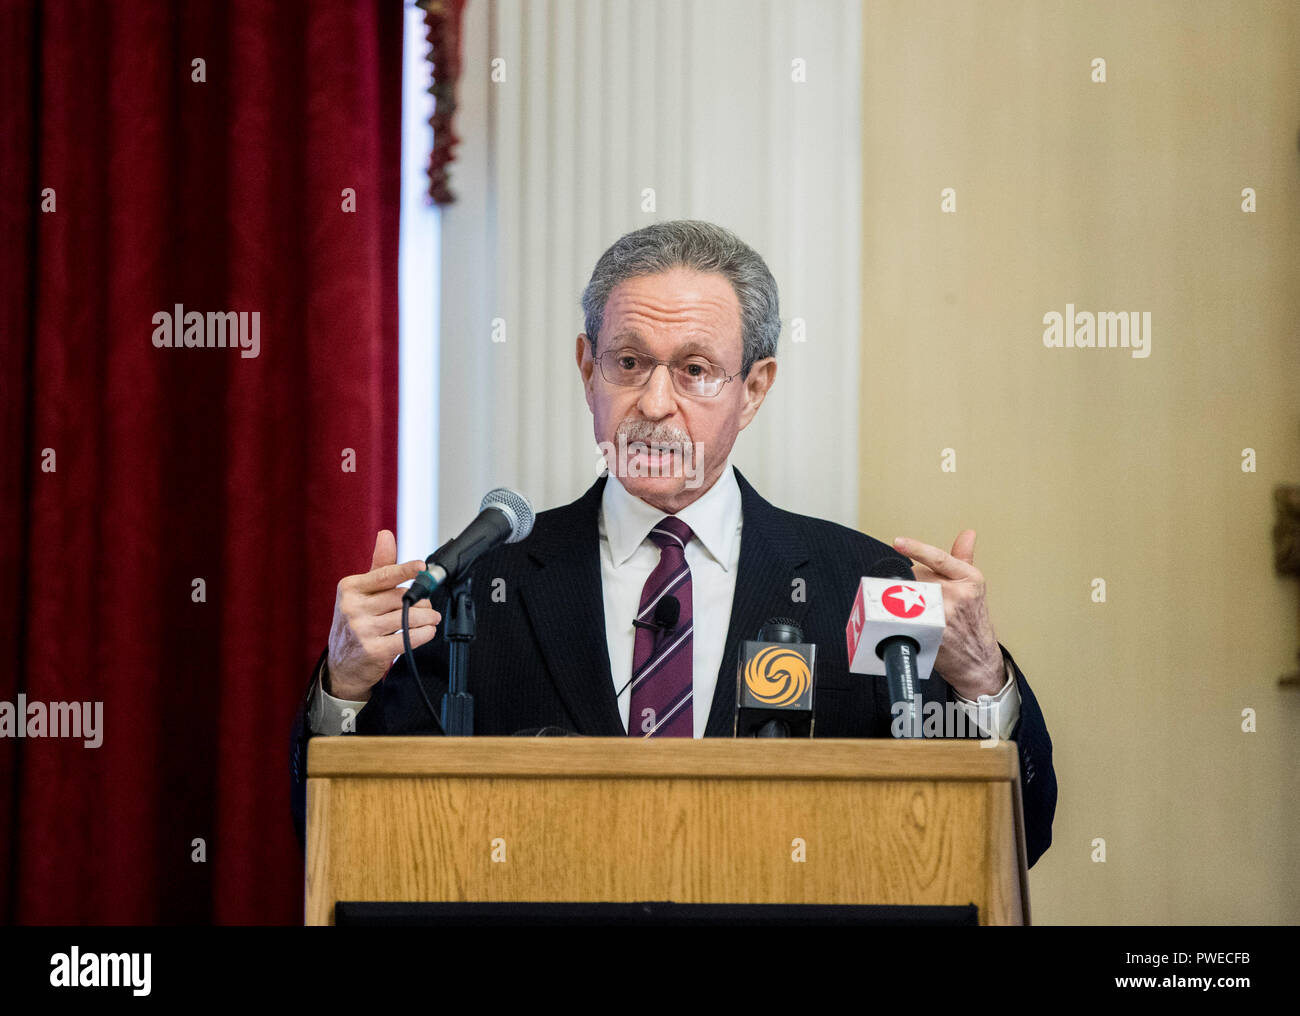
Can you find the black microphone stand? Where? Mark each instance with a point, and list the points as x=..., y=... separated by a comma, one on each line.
x=457, y=702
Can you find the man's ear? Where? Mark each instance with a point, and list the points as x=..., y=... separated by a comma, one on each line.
x=757, y=382
x=586, y=368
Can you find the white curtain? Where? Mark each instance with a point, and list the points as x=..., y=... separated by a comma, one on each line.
x=417, y=456
x=741, y=112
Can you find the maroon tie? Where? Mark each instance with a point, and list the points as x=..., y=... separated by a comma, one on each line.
x=661, y=662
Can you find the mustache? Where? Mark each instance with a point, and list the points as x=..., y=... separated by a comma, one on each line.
x=648, y=432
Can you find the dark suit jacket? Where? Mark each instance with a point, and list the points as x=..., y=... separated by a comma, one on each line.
x=541, y=657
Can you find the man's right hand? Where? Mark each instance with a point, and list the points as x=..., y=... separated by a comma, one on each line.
x=366, y=634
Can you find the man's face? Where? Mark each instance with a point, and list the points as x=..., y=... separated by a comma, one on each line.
x=676, y=445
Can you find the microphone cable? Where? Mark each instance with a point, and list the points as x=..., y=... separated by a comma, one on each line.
x=410, y=663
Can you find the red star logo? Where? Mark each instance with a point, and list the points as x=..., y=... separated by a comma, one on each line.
x=903, y=601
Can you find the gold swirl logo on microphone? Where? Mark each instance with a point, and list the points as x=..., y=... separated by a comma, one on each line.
x=777, y=676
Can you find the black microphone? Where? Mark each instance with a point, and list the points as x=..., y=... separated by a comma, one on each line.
x=775, y=677
x=667, y=612
x=898, y=652
x=504, y=517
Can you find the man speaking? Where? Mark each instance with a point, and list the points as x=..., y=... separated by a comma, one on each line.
x=682, y=320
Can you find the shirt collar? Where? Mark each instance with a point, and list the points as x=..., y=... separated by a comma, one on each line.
x=714, y=518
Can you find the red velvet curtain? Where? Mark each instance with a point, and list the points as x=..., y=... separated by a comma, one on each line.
x=135, y=178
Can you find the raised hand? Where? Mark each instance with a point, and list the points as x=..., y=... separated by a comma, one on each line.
x=366, y=634
x=969, y=658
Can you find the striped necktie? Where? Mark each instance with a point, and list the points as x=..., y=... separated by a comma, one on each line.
x=661, y=661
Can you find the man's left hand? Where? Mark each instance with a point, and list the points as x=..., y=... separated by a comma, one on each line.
x=969, y=658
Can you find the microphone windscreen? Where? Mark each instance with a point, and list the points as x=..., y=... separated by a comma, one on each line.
x=891, y=566
x=515, y=507
x=780, y=629
x=667, y=612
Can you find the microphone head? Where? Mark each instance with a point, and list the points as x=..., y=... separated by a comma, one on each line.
x=780, y=629
x=891, y=566
x=891, y=606
x=515, y=507
x=775, y=679
x=667, y=612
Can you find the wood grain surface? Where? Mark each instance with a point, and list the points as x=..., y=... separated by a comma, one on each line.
x=716, y=820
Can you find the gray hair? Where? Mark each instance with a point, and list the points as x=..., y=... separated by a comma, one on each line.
x=691, y=243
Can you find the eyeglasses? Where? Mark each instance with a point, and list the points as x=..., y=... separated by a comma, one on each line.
x=691, y=375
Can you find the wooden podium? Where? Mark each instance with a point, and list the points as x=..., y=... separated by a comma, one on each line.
x=716, y=820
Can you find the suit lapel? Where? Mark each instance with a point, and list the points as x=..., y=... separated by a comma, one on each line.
x=564, y=601
x=769, y=556
x=565, y=605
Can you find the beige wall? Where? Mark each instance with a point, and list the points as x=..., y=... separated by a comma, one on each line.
x=1081, y=463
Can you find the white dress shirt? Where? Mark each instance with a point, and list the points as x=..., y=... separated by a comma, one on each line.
x=628, y=556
